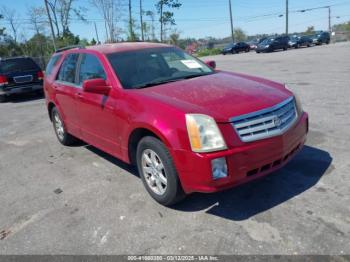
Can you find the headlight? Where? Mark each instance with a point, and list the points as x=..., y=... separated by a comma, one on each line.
x=204, y=134
x=298, y=105
x=267, y=46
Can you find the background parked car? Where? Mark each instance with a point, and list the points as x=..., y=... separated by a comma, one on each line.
x=253, y=44
x=298, y=41
x=272, y=44
x=321, y=38
x=236, y=48
x=19, y=75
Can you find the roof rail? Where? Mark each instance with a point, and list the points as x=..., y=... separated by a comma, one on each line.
x=69, y=47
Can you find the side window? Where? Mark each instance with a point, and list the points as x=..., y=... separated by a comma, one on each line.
x=53, y=61
x=68, y=68
x=90, y=68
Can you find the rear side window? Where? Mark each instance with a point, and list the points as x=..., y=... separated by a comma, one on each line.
x=68, y=68
x=90, y=68
x=9, y=66
x=53, y=61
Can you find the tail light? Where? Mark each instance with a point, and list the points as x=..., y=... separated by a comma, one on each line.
x=40, y=75
x=3, y=80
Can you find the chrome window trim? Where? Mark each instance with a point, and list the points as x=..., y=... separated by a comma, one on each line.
x=264, y=111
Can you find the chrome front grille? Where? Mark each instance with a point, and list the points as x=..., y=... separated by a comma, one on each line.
x=266, y=123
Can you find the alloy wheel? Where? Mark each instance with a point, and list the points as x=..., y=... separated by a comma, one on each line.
x=154, y=172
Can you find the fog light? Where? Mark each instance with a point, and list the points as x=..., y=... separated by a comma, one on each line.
x=219, y=168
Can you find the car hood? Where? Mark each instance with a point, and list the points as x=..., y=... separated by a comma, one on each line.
x=222, y=95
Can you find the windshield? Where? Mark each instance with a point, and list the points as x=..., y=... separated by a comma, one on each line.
x=294, y=38
x=267, y=41
x=230, y=45
x=153, y=66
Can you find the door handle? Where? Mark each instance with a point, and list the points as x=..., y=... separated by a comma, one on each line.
x=79, y=95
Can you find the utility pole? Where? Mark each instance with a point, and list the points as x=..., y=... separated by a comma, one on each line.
x=131, y=32
x=287, y=13
x=98, y=40
x=141, y=13
x=52, y=32
x=329, y=20
x=230, y=8
x=161, y=21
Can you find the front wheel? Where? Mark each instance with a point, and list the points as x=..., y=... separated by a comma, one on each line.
x=62, y=135
x=158, y=172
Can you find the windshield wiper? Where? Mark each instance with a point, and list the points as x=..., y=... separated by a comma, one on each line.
x=155, y=83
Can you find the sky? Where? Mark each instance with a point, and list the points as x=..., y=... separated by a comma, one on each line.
x=204, y=18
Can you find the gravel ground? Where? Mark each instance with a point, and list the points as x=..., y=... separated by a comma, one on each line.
x=78, y=200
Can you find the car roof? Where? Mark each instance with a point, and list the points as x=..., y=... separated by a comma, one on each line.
x=124, y=46
x=15, y=57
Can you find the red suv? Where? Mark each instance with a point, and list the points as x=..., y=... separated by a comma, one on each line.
x=187, y=127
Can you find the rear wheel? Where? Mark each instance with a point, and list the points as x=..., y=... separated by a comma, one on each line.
x=62, y=135
x=158, y=172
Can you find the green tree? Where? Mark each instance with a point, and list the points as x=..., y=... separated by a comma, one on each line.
x=174, y=38
x=239, y=35
x=93, y=42
x=166, y=17
x=310, y=30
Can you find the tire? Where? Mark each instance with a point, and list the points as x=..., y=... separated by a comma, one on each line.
x=297, y=46
x=61, y=133
x=153, y=154
x=285, y=48
x=3, y=98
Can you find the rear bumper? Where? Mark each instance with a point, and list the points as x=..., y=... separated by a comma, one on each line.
x=245, y=163
x=21, y=89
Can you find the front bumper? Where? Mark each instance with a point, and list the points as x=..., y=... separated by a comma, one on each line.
x=245, y=163
x=21, y=89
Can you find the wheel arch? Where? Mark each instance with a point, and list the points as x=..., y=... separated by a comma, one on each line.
x=50, y=106
x=135, y=137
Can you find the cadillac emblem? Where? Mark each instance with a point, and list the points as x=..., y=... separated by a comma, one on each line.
x=277, y=121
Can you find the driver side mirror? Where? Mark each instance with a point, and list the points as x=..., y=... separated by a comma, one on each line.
x=96, y=86
x=211, y=63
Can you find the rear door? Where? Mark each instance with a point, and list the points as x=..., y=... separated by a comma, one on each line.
x=20, y=72
x=66, y=89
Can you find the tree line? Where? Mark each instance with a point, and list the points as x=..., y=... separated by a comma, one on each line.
x=118, y=17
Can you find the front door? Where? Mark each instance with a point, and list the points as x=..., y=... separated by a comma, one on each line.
x=96, y=111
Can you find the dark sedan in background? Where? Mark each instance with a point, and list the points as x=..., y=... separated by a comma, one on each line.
x=321, y=38
x=236, y=48
x=19, y=75
x=299, y=41
x=273, y=43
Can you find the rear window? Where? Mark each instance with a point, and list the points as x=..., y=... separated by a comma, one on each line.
x=18, y=65
x=53, y=61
